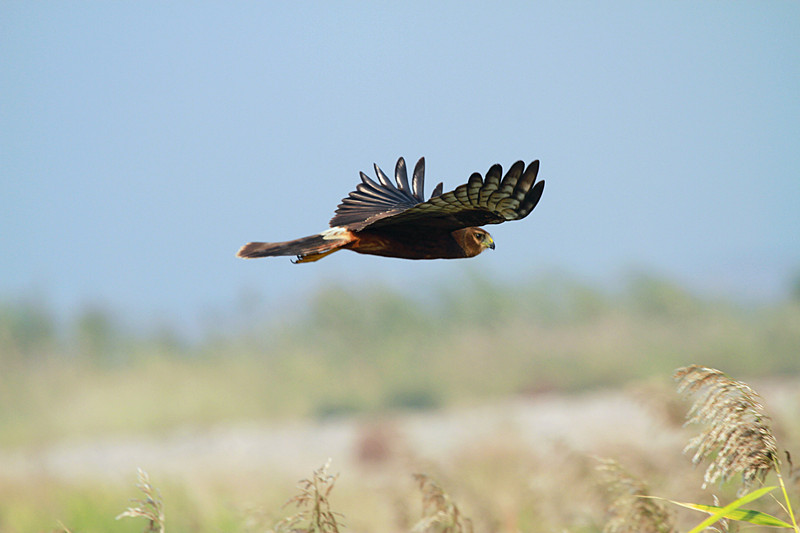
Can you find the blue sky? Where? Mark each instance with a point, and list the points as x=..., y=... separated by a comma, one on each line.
x=141, y=143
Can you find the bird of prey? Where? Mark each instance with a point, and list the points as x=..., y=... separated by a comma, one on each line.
x=381, y=218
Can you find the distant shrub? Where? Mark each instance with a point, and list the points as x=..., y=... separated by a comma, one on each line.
x=336, y=408
x=27, y=330
x=416, y=399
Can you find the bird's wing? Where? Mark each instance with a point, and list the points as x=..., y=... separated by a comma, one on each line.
x=375, y=200
x=479, y=201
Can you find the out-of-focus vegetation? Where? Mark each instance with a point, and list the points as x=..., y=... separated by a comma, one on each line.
x=375, y=349
x=497, y=484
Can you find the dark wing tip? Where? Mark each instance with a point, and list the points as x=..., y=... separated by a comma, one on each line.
x=382, y=177
x=418, y=180
x=401, y=176
x=372, y=201
x=531, y=199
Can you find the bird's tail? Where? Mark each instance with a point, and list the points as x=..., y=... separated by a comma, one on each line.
x=307, y=249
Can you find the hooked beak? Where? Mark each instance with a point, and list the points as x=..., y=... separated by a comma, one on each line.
x=491, y=243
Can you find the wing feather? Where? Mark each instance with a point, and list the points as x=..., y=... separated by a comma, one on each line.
x=474, y=185
x=480, y=201
x=490, y=184
x=524, y=184
x=462, y=195
x=373, y=200
x=383, y=177
x=367, y=192
x=388, y=196
x=418, y=180
x=368, y=186
x=401, y=176
x=531, y=199
x=401, y=207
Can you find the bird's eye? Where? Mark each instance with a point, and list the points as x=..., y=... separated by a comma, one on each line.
x=480, y=236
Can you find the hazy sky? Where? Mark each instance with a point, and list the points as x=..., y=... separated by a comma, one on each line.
x=141, y=143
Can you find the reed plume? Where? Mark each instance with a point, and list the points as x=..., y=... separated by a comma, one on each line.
x=738, y=438
x=439, y=513
x=150, y=507
x=628, y=511
x=316, y=515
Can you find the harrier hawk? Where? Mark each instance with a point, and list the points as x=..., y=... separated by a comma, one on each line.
x=397, y=221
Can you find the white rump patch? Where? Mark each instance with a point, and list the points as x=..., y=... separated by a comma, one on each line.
x=336, y=232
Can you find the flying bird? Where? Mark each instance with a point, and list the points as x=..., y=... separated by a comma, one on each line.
x=381, y=218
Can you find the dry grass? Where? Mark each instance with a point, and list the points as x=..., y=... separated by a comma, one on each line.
x=440, y=514
x=628, y=511
x=315, y=515
x=150, y=507
x=738, y=438
x=482, y=342
x=508, y=488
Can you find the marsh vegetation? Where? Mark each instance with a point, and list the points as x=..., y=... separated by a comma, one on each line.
x=372, y=360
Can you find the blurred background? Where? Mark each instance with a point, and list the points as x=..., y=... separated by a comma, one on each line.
x=142, y=143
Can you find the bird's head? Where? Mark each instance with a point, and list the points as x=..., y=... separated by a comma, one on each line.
x=482, y=238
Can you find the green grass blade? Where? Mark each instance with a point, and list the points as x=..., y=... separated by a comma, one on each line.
x=742, y=515
x=733, y=506
x=732, y=511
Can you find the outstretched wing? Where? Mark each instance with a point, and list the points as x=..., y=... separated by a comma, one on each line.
x=372, y=201
x=479, y=201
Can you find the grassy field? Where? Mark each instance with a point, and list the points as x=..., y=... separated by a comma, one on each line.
x=376, y=354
